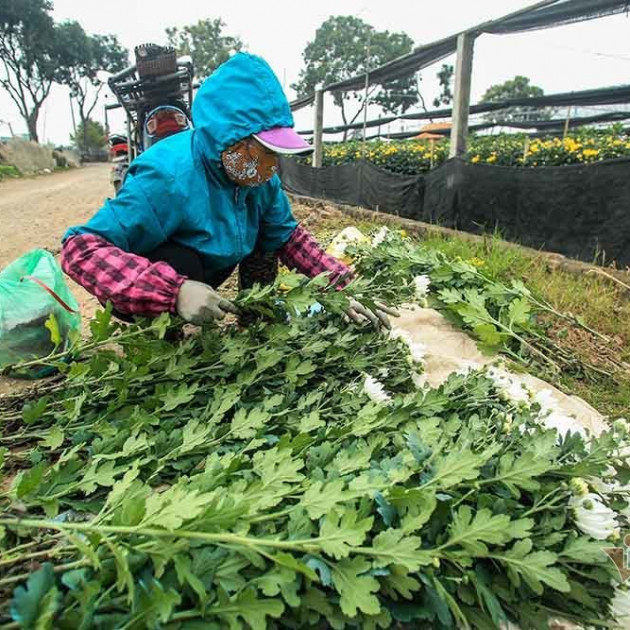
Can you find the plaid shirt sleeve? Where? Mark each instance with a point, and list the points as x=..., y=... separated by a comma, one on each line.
x=304, y=253
x=133, y=284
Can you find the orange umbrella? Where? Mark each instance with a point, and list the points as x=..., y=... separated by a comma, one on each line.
x=425, y=132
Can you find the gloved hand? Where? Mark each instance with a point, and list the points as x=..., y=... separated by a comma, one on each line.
x=359, y=313
x=199, y=303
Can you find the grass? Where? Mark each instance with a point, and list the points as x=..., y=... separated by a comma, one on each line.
x=598, y=302
x=8, y=172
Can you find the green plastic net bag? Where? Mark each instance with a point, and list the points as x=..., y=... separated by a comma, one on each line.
x=38, y=313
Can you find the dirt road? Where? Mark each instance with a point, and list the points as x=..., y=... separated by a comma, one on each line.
x=35, y=212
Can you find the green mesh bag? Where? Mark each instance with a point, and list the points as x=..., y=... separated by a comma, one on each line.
x=38, y=314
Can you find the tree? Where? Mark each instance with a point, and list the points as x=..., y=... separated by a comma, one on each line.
x=518, y=87
x=205, y=43
x=84, y=56
x=345, y=46
x=30, y=54
x=445, y=77
x=90, y=137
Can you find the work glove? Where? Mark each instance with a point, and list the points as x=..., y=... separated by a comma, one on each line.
x=199, y=303
x=359, y=313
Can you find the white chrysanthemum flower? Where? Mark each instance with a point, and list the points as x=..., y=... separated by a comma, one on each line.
x=593, y=517
x=511, y=386
x=380, y=236
x=620, y=607
x=421, y=286
x=375, y=390
x=419, y=380
x=417, y=350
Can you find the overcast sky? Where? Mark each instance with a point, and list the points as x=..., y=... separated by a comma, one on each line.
x=586, y=55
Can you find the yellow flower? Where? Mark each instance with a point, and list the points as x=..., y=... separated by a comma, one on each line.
x=477, y=262
x=403, y=233
x=590, y=152
x=492, y=159
x=475, y=159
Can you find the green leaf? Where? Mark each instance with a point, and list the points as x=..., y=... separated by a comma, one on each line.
x=449, y=296
x=488, y=598
x=177, y=396
x=280, y=581
x=101, y=325
x=124, y=576
x=519, y=312
x=33, y=411
x=185, y=575
x=357, y=590
x=473, y=532
x=248, y=607
x=311, y=422
x=53, y=327
x=28, y=481
x=33, y=606
x=54, y=439
x=268, y=357
x=533, y=566
x=584, y=550
x=339, y=533
x=288, y=561
x=488, y=334
x=173, y=507
x=457, y=466
x=400, y=582
x=159, y=603
x=247, y=424
x=520, y=472
x=100, y=474
x=321, y=497
x=393, y=547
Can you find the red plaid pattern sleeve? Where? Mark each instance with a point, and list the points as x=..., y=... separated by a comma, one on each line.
x=304, y=253
x=132, y=284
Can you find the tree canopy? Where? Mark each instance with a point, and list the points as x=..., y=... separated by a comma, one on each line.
x=345, y=46
x=206, y=43
x=31, y=56
x=518, y=87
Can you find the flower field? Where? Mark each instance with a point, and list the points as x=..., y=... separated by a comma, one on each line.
x=416, y=156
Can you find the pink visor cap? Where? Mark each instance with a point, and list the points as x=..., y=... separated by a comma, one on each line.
x=283, y=140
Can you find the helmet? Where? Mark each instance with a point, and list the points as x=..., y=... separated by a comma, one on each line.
x=162, y=122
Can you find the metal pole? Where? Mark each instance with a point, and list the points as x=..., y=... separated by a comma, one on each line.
x=318, y=142
x=365, y=96
x=461, y=104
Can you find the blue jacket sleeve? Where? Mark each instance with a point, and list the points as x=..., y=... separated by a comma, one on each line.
x=277, y=220
x=138, y=219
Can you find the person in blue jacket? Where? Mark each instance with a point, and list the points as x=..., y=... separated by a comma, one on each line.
x=200, y=202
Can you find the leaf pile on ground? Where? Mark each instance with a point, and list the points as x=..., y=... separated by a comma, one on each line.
x=295, y=475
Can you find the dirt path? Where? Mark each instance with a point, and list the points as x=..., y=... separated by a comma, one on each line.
x=35, y=212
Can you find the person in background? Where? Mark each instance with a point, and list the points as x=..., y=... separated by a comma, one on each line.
x=199, y=202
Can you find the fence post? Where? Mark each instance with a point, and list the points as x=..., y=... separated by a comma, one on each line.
x=318, y=127
x=461, y=103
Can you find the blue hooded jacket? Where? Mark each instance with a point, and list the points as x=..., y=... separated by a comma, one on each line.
x=178, y=190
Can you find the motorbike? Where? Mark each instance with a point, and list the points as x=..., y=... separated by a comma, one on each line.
x=156, y=95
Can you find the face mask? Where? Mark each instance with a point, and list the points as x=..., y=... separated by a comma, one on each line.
x=248, y=163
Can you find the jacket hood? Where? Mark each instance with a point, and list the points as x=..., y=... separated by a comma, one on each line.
x=242, y=96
